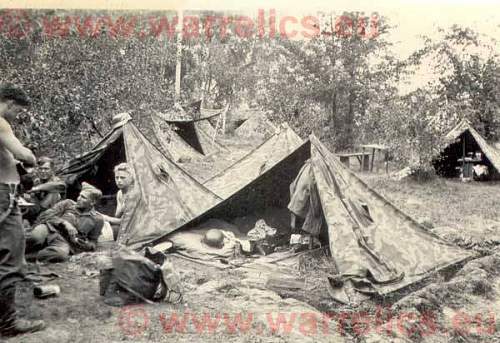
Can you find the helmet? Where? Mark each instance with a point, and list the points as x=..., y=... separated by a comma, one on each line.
x=214, y=238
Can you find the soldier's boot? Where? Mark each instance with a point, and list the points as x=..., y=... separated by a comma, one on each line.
x=10, y=325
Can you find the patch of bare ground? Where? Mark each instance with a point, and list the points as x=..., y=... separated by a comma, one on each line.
x=458, y=307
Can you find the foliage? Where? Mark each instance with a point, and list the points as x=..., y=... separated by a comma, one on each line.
x=78, y=83
x=344, y=88
x=469, y=79
x=328, y=82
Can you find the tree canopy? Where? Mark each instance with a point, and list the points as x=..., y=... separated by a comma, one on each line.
x=340, y=84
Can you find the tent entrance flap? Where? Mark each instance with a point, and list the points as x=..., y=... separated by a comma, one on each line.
x=104, y=179
x=97, y=170
x=371, y=241
x=163, y=197
x=187, y=131
x=270, y=190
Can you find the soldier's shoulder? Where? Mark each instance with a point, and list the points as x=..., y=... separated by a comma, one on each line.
x=4, y=125
x=67, y=202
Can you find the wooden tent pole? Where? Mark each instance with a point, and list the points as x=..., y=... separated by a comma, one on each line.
x=224, y=114
x=463, y=155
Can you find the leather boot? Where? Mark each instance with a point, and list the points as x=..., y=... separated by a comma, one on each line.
x=10, y=325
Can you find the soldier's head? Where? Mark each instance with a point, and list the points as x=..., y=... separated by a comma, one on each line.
x=45, y=168
x=88, y=198
x=124, y=176
x=12, y=101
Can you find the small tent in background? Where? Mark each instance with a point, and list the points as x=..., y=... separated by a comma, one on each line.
x=248, y=168
x=171, y=143
x=375, y=247
x=191, y=131
x=208, y=134
x=256, y=126
x=203, y=116
x=466, y=147
x=205, y=126
x=166, y=196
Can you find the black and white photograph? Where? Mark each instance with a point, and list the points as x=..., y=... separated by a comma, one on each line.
x=268, y=171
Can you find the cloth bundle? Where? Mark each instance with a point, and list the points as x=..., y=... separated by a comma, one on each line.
x=135, y=278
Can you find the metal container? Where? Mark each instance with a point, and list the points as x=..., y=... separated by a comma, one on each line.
x=45, y=291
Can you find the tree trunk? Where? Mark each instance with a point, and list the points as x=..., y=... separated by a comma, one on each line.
x=333, y=109
x=349, y=120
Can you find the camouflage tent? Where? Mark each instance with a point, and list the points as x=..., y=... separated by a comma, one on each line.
x=171, y=143
x=208, y=138
x=464, y=139
x=193, y=130
x=375, y=247
x=207, y=127
x=257, y=126
x=164, y=196
x=261, y=159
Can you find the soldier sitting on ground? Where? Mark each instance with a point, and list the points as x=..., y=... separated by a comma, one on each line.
x=69, y=227
x=46, y=192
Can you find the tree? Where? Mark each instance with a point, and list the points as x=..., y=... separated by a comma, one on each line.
x=469, y=71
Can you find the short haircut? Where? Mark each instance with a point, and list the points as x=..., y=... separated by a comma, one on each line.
x=45, y=159
x=124, y=167
x=11, y=92
x=93, y=193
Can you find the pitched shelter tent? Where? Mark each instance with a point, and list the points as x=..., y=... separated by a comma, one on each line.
x=210, y=118
x=258, y=125
x=259, y=160
x=205, y=126
x=375, y=247
x=208, y=142
x=171, y=143
x=464, y=140
x=203, y=118
x=166, y=196
x=191, y=131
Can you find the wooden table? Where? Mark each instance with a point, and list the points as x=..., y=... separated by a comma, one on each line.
x=380, y=149
x=363, y=159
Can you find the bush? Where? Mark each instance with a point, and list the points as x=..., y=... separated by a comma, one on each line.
x=422, y=173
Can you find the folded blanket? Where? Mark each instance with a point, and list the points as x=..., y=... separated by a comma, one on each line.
x=190, y=242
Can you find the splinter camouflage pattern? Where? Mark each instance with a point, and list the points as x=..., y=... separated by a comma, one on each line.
x=171, y=142
x=381, y=245
x=167, y=196
x=375, y=247
x=273, y=150
x=163, y=197
x=206, y=142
